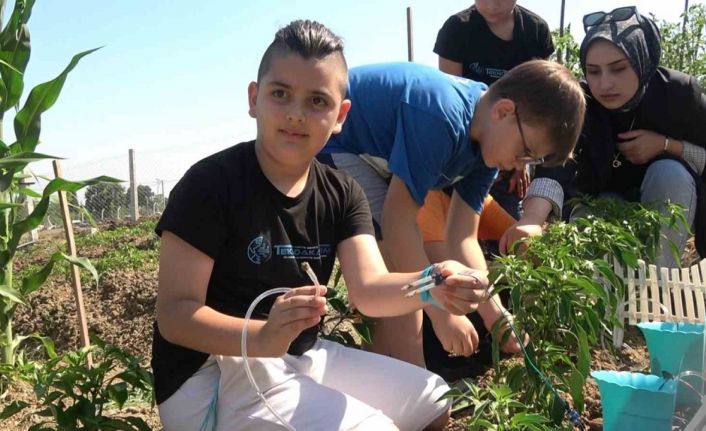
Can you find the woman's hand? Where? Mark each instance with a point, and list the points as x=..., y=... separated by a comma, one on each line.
x=641, y=145
x=293, y=312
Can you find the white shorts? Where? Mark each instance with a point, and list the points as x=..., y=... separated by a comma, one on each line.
x=328, y=388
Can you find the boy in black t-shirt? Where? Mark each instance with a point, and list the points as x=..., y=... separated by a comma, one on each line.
x=491, y=37
x=241, y=222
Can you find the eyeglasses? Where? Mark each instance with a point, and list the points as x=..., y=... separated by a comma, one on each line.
x=619, y=14
x=527, y=159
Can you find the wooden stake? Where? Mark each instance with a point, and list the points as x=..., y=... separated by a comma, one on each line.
x=75, y=274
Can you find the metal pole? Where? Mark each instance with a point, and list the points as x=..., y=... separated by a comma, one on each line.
x=410, y=48
x=559, y=56
x=683, y=32
x=134, y=211
x=686, y=9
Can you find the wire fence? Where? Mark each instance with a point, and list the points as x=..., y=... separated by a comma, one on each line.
x=155, y=173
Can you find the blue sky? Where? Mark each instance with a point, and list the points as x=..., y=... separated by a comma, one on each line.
x=173, y=74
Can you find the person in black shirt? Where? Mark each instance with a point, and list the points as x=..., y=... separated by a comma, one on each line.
x=644, y=137
x=241, y=222
x=489, y=38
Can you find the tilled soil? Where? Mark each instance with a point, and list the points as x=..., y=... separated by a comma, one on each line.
x=120, y=310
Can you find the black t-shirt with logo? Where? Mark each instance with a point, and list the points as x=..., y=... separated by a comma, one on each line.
x=466, y=38
x=258, y=237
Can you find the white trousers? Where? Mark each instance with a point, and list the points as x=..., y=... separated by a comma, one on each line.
x=328, y=388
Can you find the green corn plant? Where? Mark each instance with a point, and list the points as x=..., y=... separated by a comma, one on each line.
x=15, y=159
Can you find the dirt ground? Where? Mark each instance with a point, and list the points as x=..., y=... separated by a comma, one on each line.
x=121, y=311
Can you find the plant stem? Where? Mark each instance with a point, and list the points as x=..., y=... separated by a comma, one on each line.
x=8, y=356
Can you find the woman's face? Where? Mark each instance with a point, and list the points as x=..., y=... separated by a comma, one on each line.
x=611, y=78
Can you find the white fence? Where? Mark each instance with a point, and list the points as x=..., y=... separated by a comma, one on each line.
x=661, y=294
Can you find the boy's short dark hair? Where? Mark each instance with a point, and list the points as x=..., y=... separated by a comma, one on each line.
x=548, y=96
x=308, y=39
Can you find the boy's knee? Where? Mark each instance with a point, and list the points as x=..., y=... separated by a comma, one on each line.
x=440, y=422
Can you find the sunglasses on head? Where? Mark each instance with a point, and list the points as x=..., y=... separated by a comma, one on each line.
x=619, y=14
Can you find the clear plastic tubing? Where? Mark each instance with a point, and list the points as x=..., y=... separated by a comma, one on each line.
x=244, y=353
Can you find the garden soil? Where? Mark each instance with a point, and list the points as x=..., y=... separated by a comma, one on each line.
x=120, y=310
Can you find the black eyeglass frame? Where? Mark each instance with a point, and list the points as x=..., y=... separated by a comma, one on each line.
x=528, y=159
x=618, y=14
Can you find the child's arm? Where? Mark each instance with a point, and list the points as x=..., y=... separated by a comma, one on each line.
x=463, y=245
x=535, y=211
x=184, y=319
x=377, y=292
x=451, y=67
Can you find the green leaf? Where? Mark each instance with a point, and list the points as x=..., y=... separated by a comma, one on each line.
x=33, y=282
x=35, y=218
x=364, y=331
x=556, y=411
x=591, y=288
x=40, y=99
x=583, y=364
x=83, y=263
x=138, y=423
x=118, y=393
x=338, y=305
x=12, y=408
x=14, y=56
x=524, y=418
x=19, y=161
x=28, y=192
x=576, y=383
x=12, y=294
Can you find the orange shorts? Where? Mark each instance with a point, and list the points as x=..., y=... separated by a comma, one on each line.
x=494, y=220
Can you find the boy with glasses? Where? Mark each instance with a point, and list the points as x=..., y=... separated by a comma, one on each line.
x=412, y=129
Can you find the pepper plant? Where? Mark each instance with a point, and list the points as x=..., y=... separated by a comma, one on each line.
x=15, y=159
x=496, y=408
x=558, y=296
x=73, y=396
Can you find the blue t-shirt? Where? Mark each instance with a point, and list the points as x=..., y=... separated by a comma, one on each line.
x=418, y=119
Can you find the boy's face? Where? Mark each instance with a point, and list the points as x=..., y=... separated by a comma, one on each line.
x=298, y=104
x=508, y=142
x=494, y=11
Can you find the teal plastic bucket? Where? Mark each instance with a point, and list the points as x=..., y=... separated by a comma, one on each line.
x=635, y=401
x=674, y=347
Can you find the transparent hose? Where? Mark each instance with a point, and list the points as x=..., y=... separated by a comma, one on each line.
x=244, y=353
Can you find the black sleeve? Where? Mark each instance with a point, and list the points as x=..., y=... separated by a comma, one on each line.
x=357, y=218
x=197, y=210
x=450, y=40
x=546, y=45
x=697, y=116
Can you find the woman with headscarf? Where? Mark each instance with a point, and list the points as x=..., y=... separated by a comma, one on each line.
x=644, y=136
